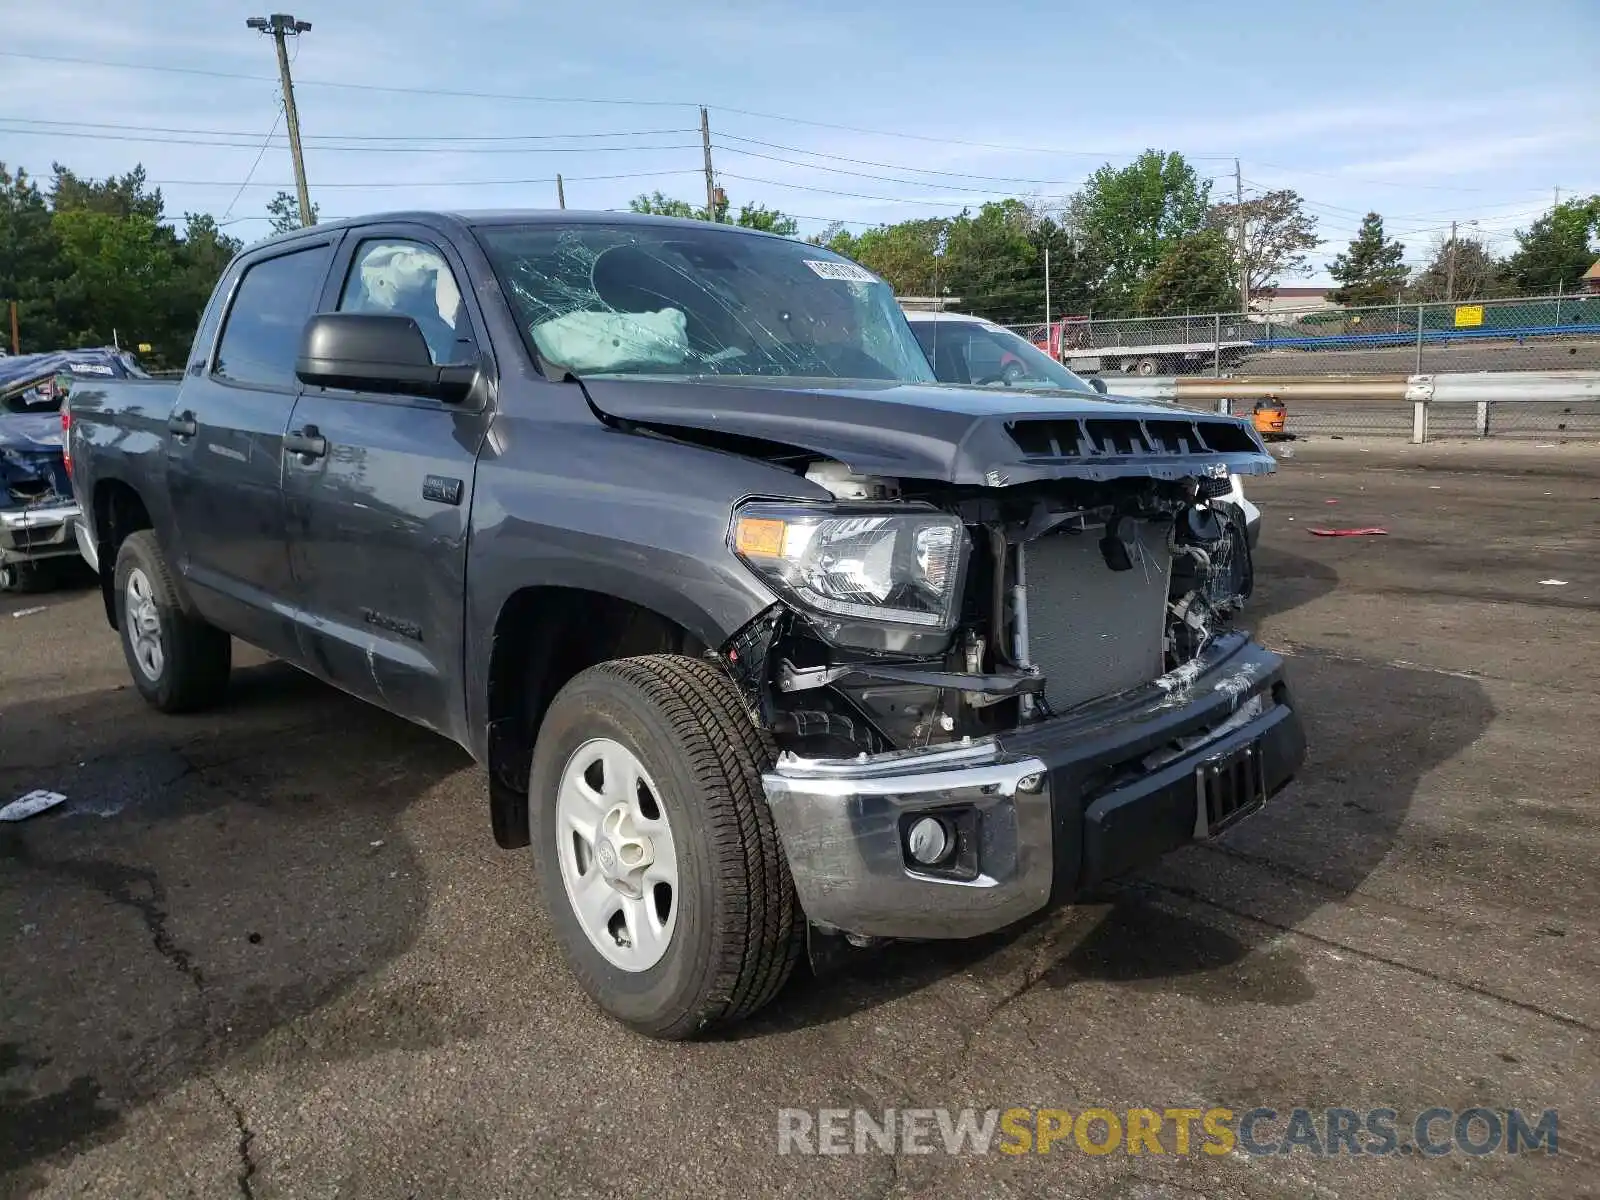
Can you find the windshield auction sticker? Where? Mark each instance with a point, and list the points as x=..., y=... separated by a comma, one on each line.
x=848, y=272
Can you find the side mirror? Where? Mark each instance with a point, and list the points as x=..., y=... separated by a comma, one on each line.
x=376, y=352
x=1097, y=384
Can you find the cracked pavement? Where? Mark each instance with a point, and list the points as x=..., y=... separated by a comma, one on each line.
x=272, y=951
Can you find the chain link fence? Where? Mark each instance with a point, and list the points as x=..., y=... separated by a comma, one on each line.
x=1550, y=333
x=1547, y=333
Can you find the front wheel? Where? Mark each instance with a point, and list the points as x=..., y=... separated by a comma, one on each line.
x=178, y=662
x=657, y=859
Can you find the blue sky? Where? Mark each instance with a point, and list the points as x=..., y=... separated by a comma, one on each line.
x=1425, y=112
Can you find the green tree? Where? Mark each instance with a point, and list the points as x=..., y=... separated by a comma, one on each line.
x=89, y=257
x=751, y=216
x=1552, y=254
x=1370, y=271
x=1277, y=234
x=30, y=262
x=283, y=212
x=1130, y=217
x=117, y=196
x=1196, y=274
x=991, y=262
x=908, y=255
x=768, y=220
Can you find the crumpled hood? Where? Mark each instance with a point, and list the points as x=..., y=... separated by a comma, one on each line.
x=30, y=431
x=955, y=434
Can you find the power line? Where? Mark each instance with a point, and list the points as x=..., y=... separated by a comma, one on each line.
x=422, y=183
x=866, y=162
x=946, y=141
x=951, y=187
x=336, y=83
x=250, y=145
x=537, y=99
x=250, y=174
x=853, y=195
x=350, y=137
x=328, y=141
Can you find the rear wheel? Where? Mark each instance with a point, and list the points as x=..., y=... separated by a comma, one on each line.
x=657, y=859
x=1146, y=366
x=179, y=663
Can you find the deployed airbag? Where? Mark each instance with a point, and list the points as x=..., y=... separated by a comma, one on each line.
x=614, y=341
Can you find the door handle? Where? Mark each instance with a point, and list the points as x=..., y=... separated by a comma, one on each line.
x=308, y=443
x=182, y=424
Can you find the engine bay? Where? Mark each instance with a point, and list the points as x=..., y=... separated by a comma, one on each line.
x=1066, y=591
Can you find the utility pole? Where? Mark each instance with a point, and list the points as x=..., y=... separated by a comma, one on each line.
x=1244, y=266
x=281, y=26
x=16, y=343
x=561, y=193
x=711, y=179
x=1450, y=267
x=1047, y=330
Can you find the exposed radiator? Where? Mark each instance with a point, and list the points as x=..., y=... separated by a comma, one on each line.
x=1093, y=631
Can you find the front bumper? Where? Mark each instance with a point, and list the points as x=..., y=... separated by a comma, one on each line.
x=37, y=532
x=1042, y=813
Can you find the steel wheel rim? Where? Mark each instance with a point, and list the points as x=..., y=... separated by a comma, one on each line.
x=619, y=865
x=143, y=621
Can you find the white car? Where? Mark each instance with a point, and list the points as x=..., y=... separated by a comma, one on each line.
x=970, y=350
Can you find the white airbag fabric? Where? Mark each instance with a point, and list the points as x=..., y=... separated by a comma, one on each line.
x=613, y=341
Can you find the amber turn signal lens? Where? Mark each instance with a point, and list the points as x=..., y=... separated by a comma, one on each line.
x=759, y=536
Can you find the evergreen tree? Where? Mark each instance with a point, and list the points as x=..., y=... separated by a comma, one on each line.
x=1370, y=272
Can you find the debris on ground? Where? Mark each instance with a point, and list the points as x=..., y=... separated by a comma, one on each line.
x=39, y=608
x=31, y=805
x=1374, y=529
x=1553, y=582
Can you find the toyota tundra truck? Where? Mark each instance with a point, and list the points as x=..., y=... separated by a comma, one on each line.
x=770, y=644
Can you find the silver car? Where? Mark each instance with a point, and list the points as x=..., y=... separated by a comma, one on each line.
x=974, y=352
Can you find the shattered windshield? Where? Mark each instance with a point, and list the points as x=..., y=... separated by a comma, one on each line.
x=668, y=300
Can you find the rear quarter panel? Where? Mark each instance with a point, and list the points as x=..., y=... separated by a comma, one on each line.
x=119, y=432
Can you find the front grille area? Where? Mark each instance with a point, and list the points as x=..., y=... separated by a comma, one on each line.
x=1093, y=631
x=1102, y=437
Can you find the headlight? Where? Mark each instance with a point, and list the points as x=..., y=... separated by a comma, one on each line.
x=901, y=568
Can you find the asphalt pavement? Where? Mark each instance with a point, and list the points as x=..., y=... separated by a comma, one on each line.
x=272, y=951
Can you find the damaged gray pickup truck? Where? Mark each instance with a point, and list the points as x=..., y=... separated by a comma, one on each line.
x=768, y=641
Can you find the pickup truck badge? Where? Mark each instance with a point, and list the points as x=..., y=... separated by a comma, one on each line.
x=406, y=629
x=441, y=489
x=788, y=628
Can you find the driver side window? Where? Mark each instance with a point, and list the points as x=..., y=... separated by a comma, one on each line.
x=393, y=275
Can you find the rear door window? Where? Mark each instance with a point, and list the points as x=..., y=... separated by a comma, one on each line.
x=262, y=336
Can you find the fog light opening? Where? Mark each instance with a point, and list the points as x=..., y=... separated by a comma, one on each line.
x=928, y=841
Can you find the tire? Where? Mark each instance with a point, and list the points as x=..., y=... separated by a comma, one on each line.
x=733, y=928
x=192, y=660
x=1145, y=366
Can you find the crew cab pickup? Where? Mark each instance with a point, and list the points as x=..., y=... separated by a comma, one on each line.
x=769, y=642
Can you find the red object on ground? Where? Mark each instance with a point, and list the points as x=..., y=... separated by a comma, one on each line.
x=1346, y=532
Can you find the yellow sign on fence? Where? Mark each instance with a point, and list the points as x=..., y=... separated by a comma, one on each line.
x=1469, y=314
x=144, y=347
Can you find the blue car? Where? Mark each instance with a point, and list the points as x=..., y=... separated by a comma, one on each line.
x=38, y=514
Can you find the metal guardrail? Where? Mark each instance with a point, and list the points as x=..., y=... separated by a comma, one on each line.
x=1564, y=404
